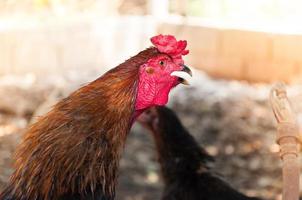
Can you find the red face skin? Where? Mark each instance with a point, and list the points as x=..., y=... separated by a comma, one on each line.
x=156, y=82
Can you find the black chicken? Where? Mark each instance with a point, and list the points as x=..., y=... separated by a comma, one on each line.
x=183, y=162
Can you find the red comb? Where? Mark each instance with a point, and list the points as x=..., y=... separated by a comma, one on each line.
x=169, y=45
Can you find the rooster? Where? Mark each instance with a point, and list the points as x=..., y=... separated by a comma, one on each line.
x=184, y=165
x=73, y=152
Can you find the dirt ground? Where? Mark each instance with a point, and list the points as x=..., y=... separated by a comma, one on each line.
x=231, y=120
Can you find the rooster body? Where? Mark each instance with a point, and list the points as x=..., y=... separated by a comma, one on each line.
x=183, y=163
x=73, y=152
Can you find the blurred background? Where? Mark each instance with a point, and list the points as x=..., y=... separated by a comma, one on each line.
x=238, y=48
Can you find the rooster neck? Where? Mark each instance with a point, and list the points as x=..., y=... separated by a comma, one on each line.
x=73, y=151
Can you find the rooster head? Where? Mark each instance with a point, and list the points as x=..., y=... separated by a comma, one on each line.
x=162, y=72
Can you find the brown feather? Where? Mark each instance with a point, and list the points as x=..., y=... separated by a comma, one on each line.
x=76, y=147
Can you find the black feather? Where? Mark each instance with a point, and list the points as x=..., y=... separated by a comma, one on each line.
x=184, y=163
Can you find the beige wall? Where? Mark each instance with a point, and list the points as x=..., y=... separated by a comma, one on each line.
x=58, y=47
x=241, y=54
x=103, y=43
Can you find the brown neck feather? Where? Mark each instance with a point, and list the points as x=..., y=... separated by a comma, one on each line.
x=76, y=147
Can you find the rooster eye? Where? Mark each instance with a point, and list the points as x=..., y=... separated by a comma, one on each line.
x=161, y=63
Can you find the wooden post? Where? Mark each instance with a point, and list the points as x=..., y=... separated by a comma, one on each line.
x=159, y=8
x=288, y=139
x=181, y=7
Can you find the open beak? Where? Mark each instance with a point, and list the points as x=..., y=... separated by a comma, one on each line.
x=184, y=75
